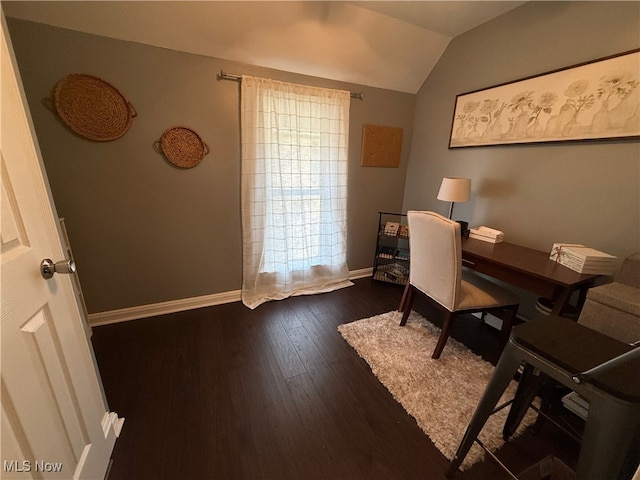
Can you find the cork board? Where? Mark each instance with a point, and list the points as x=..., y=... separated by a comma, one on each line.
x=381, y=146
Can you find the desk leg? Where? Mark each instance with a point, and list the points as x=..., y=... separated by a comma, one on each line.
x=582, y=297
x=561, y=301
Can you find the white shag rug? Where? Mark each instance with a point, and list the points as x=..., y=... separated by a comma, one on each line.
x=440, y=394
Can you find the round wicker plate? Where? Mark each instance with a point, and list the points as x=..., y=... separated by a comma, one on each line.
x=182, y=146
x=93, y=108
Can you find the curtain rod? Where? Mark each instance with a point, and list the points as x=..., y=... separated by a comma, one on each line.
x=238, y=78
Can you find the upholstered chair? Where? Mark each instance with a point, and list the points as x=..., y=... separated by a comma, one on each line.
x=436, y=271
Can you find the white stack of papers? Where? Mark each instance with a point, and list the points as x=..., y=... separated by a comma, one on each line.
x=486, y=234
x=583, y=259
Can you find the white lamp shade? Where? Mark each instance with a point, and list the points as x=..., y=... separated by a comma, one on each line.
x=455, y=189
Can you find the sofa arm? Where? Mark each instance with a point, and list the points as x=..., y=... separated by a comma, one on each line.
x=629, y=273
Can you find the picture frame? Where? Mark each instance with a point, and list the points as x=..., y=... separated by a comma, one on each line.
x=596, y=100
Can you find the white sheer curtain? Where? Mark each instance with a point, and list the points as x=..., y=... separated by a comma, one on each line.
x=294, y=189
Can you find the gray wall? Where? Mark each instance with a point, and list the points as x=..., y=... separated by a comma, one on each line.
x=143, y=231
x=539, y=194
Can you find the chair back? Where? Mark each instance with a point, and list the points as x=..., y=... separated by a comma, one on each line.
x=436, y=256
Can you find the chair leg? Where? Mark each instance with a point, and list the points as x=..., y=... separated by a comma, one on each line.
x=502, y=375
x=507, y=323
x=528, y=387
x=444, y=334
x=608, y=440
x=407, y=303
x=405, y=294
x=545, y=392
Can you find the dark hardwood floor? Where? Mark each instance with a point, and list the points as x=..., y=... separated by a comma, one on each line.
x=225, y=392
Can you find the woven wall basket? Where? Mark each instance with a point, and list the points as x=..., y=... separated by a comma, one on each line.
x=93, y=108
x=181, y=146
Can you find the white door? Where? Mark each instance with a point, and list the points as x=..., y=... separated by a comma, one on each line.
x=55, y=420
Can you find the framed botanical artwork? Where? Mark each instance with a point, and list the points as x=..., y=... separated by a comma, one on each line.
x=590, y=101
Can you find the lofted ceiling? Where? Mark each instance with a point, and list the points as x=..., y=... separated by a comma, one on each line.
x=385, y=44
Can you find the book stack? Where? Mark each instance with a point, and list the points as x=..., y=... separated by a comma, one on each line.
x=486, y=234
x=391, y=229
x=387, y=252
x=583, y=259
x=395, y=229
x=394, y=273
x=402, y=254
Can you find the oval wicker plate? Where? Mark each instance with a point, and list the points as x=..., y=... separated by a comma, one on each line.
x=92, y=108
x=182, y=146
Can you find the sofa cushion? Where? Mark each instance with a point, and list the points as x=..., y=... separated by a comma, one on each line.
x=617, y=295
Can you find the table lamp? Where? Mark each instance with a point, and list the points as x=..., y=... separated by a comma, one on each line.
x=454, y=189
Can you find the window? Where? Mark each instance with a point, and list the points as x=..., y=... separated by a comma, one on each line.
x=294, y=189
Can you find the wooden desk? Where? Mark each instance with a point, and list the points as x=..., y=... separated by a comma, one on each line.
x=528, y=269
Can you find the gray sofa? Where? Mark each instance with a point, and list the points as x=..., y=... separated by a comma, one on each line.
x=614, y=308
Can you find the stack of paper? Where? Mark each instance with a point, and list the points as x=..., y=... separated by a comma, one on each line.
x=583, y=259
x=575, y=403
x=486, y=234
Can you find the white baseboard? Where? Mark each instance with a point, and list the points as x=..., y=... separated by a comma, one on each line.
x=362, y=273
x=173, y=306
x=151, y=310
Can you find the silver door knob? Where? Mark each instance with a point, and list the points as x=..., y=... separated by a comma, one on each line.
x=48, y=268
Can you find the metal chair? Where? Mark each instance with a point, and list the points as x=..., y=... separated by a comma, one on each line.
x=601, y=369
x=436, y=271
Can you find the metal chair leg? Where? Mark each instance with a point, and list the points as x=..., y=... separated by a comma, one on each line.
x=503, y=374
x=608, y=438
x=527, y=388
